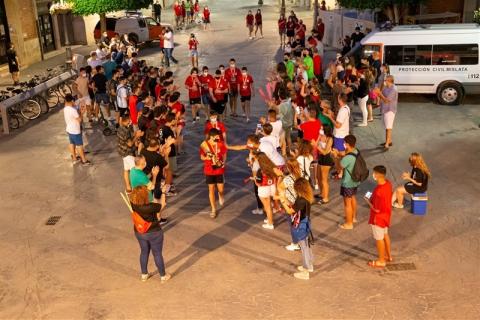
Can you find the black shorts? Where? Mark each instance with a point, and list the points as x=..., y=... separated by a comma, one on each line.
x=195, y=101
x=217, y=179
x=218, y=106
x=412, y=189
x=233, y=94
x=348, y=192
x=290, y=33
x=245, y=98
x=325, y=160
x=123, y=111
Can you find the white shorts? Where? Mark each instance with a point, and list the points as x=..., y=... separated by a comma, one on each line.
x=84, y=101
x=388, y=119
x=379, y=232
x=128, y=163
x=267, y=191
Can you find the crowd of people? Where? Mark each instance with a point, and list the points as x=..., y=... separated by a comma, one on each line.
x=299, y=147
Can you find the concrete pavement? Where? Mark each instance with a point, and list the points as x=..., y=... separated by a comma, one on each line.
x=86, y=266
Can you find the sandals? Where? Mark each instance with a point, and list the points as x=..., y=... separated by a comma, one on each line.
x=344, y=226
x=376, y=265
x=213, y=214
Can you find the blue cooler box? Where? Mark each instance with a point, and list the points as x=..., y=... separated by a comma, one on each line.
x=419, y=204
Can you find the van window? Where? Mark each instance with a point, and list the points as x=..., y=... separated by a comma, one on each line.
x=141, y=23
x=455, y=54
x=408, y=55
x=111, y=24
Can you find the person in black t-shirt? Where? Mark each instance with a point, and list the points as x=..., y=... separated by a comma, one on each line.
x=99, y=81
x=357, y=36
x=13, y=65
x=417, y=180
x=168, y=141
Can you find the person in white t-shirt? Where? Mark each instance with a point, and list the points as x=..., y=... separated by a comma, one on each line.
x=73, y=121
x=122, y=97
x=304, y=156
x=94, y=61
x=277, y=130
x=168, y=46
x=341, y=129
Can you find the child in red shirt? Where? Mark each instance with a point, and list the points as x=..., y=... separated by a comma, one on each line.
x=249, y=19
x=231, y=75
x=193, y=48
x=245, y=87
x=206, y=17
x=380, y=202
x=258, y=23
x=193, y=85
x=213, y=153
x=214, y=123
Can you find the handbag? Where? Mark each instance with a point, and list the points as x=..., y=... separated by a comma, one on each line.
x=141, y=226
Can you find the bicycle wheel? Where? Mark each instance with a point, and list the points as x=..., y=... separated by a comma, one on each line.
x=43, y=103
x=64, y=89
x=52, y=98
x=13, y=122
x=30, y=109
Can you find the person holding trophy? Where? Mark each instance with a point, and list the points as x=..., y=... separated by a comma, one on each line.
x=213, y=153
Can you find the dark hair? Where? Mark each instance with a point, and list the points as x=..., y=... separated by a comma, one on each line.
x=82, y=69
x=350, y=140
x=380, y=169
x=69, y=98
x=213, y=132
x=170, y=117
x=312, y=111
x=244, y=69
x=232, y=60
x=254, y=138
x=328, y=131
x=205, y=68
x=267, y=128
x=98, y=68
x=194, y=70
x=174, y=97
x=272, y=112
x=343, y=97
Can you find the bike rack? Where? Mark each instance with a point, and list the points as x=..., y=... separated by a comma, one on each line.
x=16, y=99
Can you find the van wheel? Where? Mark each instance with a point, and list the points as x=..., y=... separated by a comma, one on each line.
x=133, y=37
x=450, y=93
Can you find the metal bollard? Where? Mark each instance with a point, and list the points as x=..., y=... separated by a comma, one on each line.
x=68, y=57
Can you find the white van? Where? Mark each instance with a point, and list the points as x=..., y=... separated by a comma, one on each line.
x=441, y=59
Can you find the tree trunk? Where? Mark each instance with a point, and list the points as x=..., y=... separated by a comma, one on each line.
x=103, y=22
x=396, y=13
x=315, y=13
x=389, y=13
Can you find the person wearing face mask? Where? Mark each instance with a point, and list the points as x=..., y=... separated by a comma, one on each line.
x=231, y=75
x=380, y=213
x=214, y=123
x=245, y=86
x=206, y=79
x=290, y=65
x=218, y=88
x=213, y=153
x=193, y=85
x=258, y=23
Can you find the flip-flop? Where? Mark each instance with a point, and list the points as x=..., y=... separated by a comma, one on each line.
x=373, y=264
x=344, y=227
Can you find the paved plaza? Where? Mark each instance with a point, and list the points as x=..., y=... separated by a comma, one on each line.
x=86, y=266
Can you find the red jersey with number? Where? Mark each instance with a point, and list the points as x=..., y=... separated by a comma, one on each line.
x=220, y=150
x=317, y=65
x=205, y=81
x=231, y=75
x=132, y=106
x=245, y=84
x=192, y=44
x=194, y=85
x=219, y=84
x=249, y=19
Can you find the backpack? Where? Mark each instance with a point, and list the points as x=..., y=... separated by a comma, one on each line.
x=360, y=171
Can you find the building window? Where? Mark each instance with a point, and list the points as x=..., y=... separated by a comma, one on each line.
x=46, y=32
x=456, y=54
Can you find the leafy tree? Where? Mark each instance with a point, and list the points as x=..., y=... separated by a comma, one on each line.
x=394, y=9
x=102, y=7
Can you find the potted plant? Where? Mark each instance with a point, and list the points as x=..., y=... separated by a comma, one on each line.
x=61, y=7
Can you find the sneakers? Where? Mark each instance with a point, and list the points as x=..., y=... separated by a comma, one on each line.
x=268, y=226
x=166, y=277
x=163, y=221
x=265, y=220
x=316, y=187
x=362, y=125
x=302, y=269
x=144, y=277
x=303, y=275
x=397, y=205
x=197, y=118
x=257, y=211
x=292, y=247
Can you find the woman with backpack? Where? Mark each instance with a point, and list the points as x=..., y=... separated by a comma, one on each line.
x=152, y=239
x=300, y=225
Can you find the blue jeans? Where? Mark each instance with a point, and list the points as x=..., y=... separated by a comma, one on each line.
x=151, y=241
x=169, y=56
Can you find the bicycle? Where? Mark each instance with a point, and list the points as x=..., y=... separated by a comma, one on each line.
x=29, y=109
x=13, y=119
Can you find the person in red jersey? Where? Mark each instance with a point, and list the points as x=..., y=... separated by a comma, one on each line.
x=214, y=122
x=206, y=79
x=132, y=106
x=177, y=8
x=194, y=87
x=258, y=23
x=206, y=17
x=218, y=89
x=282, y=28
x=231, y=75
x=213, y=153
x=380, y=202
x=196, y=10
x=193, y=50
x=249, y=19
x=246, y=89
x=179, y=109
